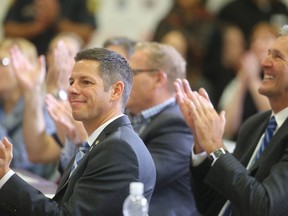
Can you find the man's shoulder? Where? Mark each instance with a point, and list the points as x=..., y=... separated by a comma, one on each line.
x=258, y=117
x=169, y=114
x=254, y=124
x=170, y=120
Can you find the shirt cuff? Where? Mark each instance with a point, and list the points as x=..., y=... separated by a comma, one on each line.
x=197, y=159
x=6, y=177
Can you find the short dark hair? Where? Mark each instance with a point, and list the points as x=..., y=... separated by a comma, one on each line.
x=113, y=67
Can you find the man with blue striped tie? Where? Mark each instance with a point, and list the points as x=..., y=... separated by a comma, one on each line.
x=252, y=180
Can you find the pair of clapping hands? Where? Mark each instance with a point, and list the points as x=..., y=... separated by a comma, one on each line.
x=207, y=125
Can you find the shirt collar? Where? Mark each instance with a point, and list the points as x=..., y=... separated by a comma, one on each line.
x=157, y=109
x=281, y=116
x=96, y=133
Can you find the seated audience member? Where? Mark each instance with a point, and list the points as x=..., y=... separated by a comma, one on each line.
x=96, y=181
x=240, y=98
x=43, y=146
x=63, y=145
x=14, y=103
x=247, y=13
x=223, y=60
x=60, y=59
x=157, y=119
x=188, y=27
x=41, y=20
x=122, y=45
x=252, y=180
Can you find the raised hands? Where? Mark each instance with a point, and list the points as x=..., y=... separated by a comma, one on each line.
x=60, y=65
x=207, y=125
x=61, y=113
x=29, y=72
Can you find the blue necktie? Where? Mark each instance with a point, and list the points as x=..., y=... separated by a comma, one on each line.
x=80, y=154
x=268, y=134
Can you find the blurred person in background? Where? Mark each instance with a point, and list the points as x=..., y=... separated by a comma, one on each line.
x=62, y=144
x=188, y=27
x=40, y=20
x=122, y=45
x=243, y=14
x=62, y=48
x=224, y=59
x=157, y=119
x=14, y=102
x=247, y=13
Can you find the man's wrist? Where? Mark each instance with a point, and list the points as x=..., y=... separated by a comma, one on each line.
x=213, y=156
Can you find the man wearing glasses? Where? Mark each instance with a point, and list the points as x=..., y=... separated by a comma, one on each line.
x=157, y=119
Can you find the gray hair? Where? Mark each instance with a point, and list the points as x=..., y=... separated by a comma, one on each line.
x=124, y=42
x=166, y=58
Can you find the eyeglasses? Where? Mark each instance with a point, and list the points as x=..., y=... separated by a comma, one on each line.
x=4, y=61
x=138, y=71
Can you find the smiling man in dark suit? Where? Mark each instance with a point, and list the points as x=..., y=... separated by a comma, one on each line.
x=100, y=84
x=252, y=181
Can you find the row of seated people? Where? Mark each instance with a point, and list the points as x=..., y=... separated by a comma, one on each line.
x=162, y=128
x=151, y=105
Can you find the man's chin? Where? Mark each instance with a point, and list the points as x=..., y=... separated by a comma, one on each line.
x=265, y=92
x=76, y=117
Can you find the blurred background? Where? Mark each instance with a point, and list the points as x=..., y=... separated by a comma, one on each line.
x=136, y=19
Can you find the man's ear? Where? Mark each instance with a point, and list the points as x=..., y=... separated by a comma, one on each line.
x=117, y=90
x=161, y=76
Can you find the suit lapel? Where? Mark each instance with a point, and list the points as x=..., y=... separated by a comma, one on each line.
x=275, y=140
x=274, y=143
x=121, y=121
x=245, y=148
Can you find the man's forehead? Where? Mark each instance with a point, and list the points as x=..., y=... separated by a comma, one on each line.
x=281, y=44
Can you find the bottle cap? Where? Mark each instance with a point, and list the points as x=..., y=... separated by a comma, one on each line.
x=136, y=188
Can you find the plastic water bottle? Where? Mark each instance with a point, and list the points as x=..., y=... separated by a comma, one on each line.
x=136, y=204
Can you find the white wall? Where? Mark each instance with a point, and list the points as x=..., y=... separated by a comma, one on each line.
x=3, y=9
x=134, y=18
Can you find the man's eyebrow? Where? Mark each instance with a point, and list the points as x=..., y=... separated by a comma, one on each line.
x=275, y=52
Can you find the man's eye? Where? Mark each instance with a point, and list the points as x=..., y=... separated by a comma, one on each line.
x=86, y=82
x=277, y=56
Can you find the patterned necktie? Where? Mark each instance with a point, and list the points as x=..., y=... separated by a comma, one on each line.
x=268, y=134
x=138, y=122
x=80, y=154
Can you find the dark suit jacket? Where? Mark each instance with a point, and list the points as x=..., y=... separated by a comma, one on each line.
x=169, y=141
x=97, y=187
x=261, y=191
